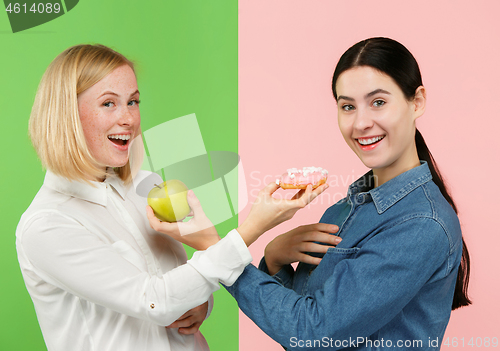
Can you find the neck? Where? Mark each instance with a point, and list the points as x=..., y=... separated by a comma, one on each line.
x=383, y=175
x=99, y=179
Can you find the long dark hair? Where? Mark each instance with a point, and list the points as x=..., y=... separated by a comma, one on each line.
x=392, y=58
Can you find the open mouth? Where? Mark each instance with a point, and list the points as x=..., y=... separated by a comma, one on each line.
x=370, y=141
x=119, y=139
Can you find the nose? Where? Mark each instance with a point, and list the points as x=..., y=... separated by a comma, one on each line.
x=127, y=117
x=362, y=119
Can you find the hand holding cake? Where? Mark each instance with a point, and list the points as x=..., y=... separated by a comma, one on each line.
x=296, y=178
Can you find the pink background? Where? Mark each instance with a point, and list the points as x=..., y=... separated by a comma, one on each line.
x=287, y=116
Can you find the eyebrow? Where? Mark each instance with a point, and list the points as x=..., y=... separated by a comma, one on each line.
x=376, y=91
x=115, y=94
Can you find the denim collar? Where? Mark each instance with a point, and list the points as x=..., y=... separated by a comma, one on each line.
x=94, y=192
x=390, y=192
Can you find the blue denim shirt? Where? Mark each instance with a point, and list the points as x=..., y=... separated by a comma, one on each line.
x=388, y=285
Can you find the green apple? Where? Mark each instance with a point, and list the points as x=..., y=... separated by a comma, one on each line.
x=169, y=201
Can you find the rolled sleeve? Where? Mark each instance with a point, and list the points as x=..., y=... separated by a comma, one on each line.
x=68, y=256
x=224, y=261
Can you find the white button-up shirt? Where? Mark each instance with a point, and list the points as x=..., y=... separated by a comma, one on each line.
x=101, y=279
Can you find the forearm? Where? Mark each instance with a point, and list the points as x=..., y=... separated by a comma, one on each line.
x=72, y=259
x=222, y=262
x=267, y=212
x=249, y=232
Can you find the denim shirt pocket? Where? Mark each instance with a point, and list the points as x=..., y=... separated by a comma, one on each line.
x=341, y=252
x=325, y=269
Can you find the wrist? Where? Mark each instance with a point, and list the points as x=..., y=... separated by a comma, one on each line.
x=248, y=232
x=272, y=267
x=209, y=243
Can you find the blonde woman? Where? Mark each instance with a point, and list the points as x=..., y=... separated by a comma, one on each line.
x=99, y=276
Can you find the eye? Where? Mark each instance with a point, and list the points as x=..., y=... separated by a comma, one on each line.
x=378, y=103
x=107, y=103
x=134, y=102
x=347, y=107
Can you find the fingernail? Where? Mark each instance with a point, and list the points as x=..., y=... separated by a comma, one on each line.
x=337, y=240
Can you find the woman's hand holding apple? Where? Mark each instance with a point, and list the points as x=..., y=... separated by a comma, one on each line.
x=266, y=213
x=198, y=232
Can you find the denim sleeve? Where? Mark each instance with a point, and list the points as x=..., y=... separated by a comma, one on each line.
x=361, y=295
x=284, y=276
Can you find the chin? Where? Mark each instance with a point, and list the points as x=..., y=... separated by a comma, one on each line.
x=372, y=164
x=117, y=164
x=367, y=162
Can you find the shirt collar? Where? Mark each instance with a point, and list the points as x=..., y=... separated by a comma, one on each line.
x=94, y=192
x=117, y=184
x=387, y=194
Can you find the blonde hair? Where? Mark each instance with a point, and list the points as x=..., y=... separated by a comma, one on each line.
x=55, y=128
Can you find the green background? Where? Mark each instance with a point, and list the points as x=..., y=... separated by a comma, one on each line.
x=186, y=57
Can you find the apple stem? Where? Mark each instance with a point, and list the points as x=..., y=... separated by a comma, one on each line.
x=156, y=185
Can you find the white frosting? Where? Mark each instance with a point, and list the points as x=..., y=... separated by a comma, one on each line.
x=306, y=171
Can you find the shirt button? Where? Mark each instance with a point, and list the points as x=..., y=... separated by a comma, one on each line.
x=152, y=306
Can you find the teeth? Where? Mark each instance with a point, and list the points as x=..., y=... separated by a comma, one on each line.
x=370, y=141
x=119, y=136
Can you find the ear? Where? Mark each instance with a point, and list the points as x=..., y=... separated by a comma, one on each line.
x=419, y=102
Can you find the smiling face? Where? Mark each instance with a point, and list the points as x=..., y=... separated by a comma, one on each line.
x=110, y=118
x=378, y=122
